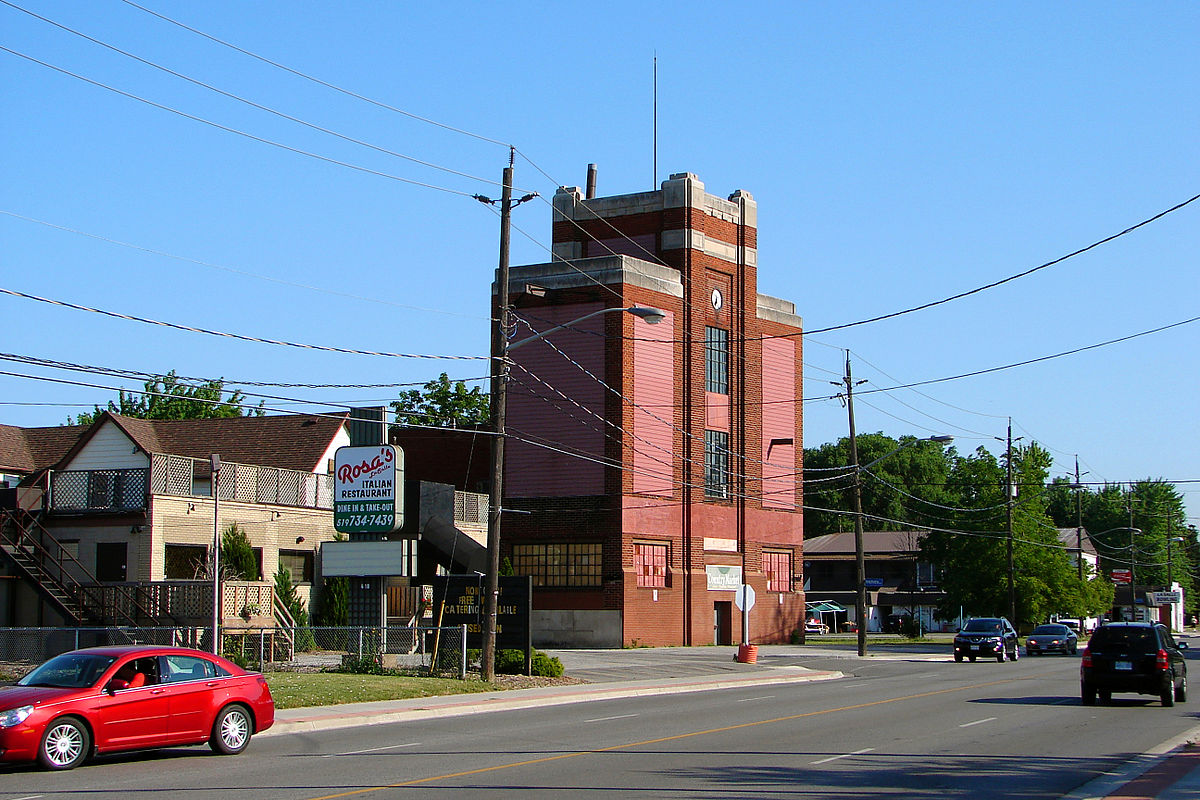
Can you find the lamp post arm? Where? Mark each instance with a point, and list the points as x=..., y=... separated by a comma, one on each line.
x=651, y=315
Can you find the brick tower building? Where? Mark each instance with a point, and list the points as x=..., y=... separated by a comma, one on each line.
x=652, y=469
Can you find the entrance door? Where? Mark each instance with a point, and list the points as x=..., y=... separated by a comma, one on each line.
x=723, y=622
x=111, y=561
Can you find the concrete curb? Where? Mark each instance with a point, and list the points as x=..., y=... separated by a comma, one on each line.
x=1107, y=785
x=304, y=720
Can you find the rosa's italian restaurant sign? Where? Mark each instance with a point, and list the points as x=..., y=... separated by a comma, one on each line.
x=368, y=494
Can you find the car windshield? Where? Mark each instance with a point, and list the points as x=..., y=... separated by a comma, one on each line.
x=1140, y=637
x=983, y=626
x=69, y=671
x=1050, y=630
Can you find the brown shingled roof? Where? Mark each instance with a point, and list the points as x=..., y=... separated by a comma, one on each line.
x=290, y=441
x=27, y=450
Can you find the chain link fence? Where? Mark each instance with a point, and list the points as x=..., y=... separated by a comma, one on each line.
x=431, y=651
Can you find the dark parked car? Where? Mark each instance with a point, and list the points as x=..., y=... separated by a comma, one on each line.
x=1137, y=657
x=105, y=699
x=990, y=637
x=1051, y=638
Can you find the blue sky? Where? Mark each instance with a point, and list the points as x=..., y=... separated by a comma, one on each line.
x=899, y=152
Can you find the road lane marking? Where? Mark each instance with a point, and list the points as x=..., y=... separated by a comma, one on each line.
x=977, y=722
x=764, y=697
x=844, y=755
x=371, y=750
x=676, y=737
x=606, y=719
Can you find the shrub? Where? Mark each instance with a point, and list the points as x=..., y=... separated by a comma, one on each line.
x=512, y=662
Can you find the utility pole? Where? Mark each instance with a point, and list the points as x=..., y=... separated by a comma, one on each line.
x=215, y=462
x=499, y=398
x=860, y=562
x=1079, y=518
x=1012, y=588
x=1132, y=563
x=487, y=665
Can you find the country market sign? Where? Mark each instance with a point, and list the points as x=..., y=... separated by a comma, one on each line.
x=367, y=492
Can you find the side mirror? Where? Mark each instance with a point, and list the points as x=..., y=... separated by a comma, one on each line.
x=1182, y=645
x=116, y=685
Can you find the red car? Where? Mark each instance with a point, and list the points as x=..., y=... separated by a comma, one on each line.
x=105, y=699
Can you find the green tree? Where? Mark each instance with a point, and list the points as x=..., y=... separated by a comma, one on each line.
x=239, y=561
x=333, y=600
x=166, y=397
x=285, y=592
x=972, y=554
x=897, y=492
x=444, y=404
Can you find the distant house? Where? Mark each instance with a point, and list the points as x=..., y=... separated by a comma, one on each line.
x=129, y=502
x=898, y=582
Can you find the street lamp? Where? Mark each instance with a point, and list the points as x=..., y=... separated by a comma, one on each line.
x=860, y=560
x=501, y=346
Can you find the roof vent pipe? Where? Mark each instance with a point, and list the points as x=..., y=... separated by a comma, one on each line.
x=591, y=182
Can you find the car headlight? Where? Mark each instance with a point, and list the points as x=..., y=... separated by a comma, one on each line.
x=15, y=716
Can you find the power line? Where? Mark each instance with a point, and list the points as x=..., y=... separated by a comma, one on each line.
x=235, y=131
x=240, y=99
x=307, y=77
x=242, y=337
x=234, y=271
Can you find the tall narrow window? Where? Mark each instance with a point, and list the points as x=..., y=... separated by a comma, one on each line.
x=716, y=360
x=716, y=464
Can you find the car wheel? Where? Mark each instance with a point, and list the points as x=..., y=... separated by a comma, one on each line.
x=1087, y=694
x=65, y=745
x=972, y=659
x=1074, y=649
x=958, y=657
x=1106, y=697
x=1181, y=691
x=1167, y=695
x=1000, y=655
x=1016, y=653
x=231, y=731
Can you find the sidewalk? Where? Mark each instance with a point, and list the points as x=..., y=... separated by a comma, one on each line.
x=1169, y=772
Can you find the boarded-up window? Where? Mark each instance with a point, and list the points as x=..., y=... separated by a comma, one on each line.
x=778, y=569
x=650, y=564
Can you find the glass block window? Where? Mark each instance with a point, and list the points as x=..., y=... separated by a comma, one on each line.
x=716, y=360
x=650, y=564
x=778, y=569
x=716, y=464
x=562, y=564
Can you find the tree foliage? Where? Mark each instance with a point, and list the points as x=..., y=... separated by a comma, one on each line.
x=443, y=404
x=166, y=397
x=238, y=559
x=961, y=503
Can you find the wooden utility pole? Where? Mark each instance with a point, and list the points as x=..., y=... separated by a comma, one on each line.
x=1012, y=587
x=499, y=412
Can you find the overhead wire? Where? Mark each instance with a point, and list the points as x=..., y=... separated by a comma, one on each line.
x=307, y=77
x=238, y=336
x=235, y=131
x=251, y=103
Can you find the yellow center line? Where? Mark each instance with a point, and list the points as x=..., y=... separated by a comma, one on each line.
x=673, y=738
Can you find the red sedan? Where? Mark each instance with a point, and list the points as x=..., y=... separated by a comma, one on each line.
x=106, y=699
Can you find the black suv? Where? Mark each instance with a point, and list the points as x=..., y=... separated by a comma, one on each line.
x=990, y=637
x=1137, y=657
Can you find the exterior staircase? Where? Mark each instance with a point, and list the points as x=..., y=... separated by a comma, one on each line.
x=63, y=580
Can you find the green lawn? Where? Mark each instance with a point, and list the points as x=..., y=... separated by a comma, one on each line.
x=300, y=689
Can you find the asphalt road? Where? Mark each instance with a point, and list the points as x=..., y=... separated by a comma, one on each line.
x=904, y=728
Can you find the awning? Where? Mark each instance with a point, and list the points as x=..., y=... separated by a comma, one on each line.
x=463, y=551
x=824, y=607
